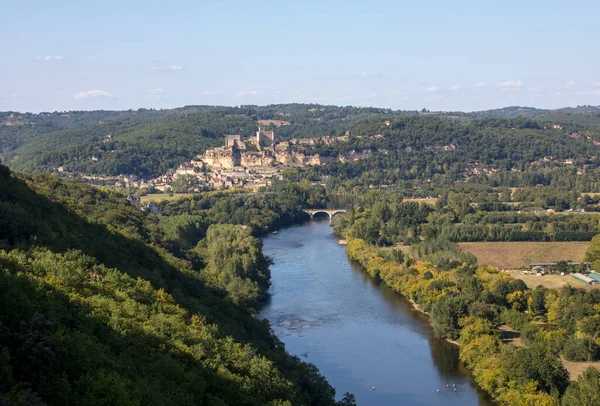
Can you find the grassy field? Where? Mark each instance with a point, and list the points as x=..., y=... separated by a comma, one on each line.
x=276, y=123
x=165, y=196
x=576, y=368
x=514, y=255
x=510, y=336
x=430, y=201
x=551, y=281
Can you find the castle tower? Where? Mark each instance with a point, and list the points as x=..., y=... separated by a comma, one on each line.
x=265, y=137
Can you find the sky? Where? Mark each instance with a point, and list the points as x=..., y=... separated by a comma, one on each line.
x=440, y=55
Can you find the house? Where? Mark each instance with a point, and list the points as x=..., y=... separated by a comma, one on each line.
x=547, y=266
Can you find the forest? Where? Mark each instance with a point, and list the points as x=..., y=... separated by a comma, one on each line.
x=105, y=303
x=411, y=147
x=387, y=217
x=100, y=304
x=473, y=306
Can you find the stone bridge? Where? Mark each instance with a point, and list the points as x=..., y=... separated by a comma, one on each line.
x=330, y=212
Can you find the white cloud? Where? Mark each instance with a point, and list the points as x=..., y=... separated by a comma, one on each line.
x=155, y=93
x=205, y=93
x=480, y=84
x=372, y=74
x=432, y=89
x=91, y=94
x=596, y=83
x=14, y=95
x=568, y=85
x=243, y=93
x=454, y=87
x=513, y=84
x=49, y=58
x=172, y=67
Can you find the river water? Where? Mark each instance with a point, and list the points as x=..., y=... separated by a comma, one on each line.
x=358, y=333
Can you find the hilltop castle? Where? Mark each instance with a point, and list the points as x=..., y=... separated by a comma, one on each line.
x=235, y=153
x=264, y=138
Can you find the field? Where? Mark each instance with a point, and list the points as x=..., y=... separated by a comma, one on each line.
x=551, y=281
x=514, y=255
x=165, y=196
x=576, y=368
x=430, y=200
x=276, y=123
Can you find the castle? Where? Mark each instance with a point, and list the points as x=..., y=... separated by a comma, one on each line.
x=265, y=138
x=268, y=153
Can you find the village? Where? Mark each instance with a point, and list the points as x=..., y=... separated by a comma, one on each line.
x=249, y=164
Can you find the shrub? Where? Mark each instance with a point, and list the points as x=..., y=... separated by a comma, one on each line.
x=514, y=319
x=529, y=333
x=581, y=349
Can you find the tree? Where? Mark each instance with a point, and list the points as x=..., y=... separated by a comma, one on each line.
x=581, y=349
x=185, y=184
x=537, y=306
x=445, y=315
x=348, y=400
x=473, y=328
x=585, y=391
x=593, y=252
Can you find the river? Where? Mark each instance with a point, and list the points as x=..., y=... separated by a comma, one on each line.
x=358, y=332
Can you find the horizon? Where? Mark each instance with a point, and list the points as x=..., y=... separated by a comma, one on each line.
x=459, y=57
x=298, y=103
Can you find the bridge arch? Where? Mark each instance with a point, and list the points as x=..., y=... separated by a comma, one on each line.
x=330, y=212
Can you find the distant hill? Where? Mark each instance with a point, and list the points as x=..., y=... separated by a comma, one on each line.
x=147, y=143
x=583, y=116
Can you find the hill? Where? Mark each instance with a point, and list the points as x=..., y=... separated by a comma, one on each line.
x=97, y=306
x=147, y=143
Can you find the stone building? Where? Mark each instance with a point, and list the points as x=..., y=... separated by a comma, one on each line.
x=265, y=138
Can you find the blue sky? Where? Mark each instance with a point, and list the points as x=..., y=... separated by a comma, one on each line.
x=441, y=55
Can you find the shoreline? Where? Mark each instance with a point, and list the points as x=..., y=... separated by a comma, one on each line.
x=418, y=308
x=444, y=346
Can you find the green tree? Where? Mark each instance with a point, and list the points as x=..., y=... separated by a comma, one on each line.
x=347, y=400
x=445, y=315
x=581, y=349
x=585, y=391
x=538, y=300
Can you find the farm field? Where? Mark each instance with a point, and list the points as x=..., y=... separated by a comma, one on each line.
x=514, y=255
x=551, y=281
x=165, y=196
x=430, y=201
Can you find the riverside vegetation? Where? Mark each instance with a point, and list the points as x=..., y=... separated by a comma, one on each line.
x=100, y=305
x=467, y=304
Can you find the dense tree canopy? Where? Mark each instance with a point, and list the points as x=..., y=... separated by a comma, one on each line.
x=97, y=307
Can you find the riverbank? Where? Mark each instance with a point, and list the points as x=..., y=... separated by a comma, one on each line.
x=358, y=332
x=416, y=306
x=450, y=298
